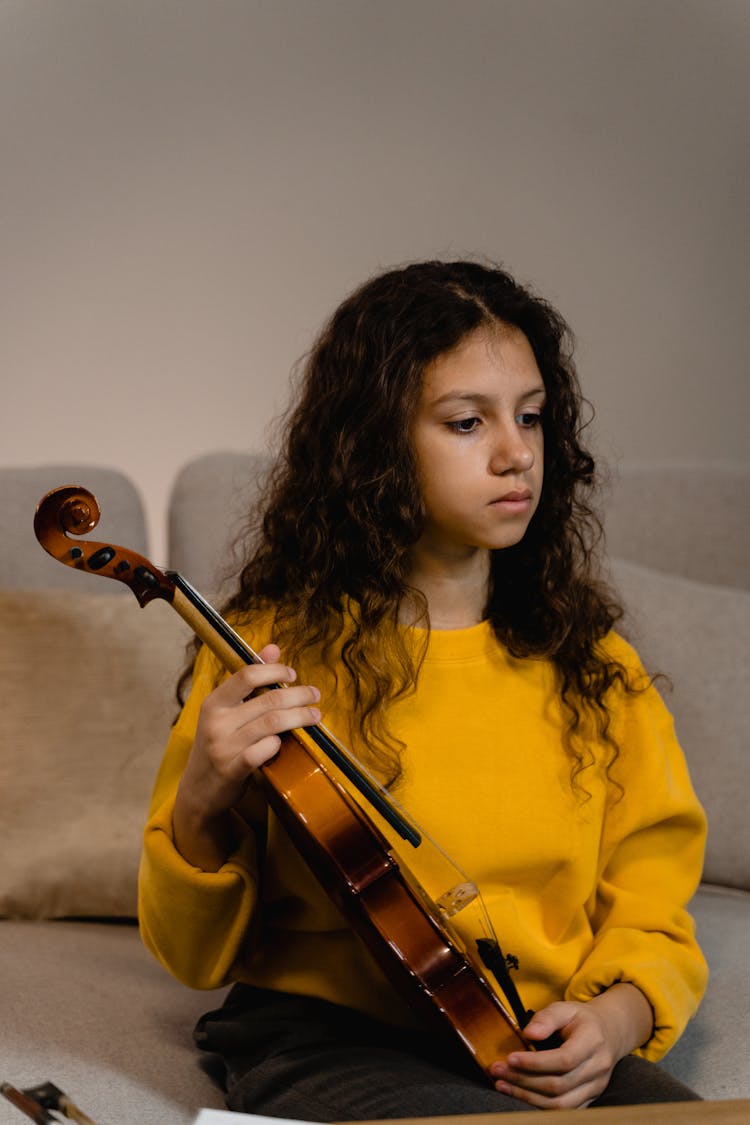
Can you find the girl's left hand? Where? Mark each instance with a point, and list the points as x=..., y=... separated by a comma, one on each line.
x=596, y=1035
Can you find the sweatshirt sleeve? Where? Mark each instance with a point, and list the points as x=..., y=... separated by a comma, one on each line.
x=651, y=862
x=193, y=921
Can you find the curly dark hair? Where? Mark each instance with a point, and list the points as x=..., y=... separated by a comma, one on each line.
x=342, y=509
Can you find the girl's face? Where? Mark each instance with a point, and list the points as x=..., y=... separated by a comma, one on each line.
x=478, y=441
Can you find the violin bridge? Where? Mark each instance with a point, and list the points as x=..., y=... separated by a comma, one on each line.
x=454, y=900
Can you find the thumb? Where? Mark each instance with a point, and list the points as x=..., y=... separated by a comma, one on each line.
x=547, y=1023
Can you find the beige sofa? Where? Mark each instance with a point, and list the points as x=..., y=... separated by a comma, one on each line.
x=88, y=682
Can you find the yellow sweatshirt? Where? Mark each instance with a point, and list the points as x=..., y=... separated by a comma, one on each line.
x=585, y=893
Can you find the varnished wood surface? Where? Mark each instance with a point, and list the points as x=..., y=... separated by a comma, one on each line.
x=681, y=1113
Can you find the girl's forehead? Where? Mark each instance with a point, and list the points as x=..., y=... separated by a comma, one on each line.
x=486, y=354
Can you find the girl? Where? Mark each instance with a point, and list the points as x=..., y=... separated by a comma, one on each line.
x=426, y=568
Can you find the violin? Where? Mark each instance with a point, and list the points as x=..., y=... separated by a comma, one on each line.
x=409, y=933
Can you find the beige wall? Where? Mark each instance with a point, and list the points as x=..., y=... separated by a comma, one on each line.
x=189, y=186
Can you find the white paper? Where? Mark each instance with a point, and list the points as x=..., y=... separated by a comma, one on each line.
x=225, y=1117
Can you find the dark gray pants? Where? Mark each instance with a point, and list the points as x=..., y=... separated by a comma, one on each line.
x=297, y=1057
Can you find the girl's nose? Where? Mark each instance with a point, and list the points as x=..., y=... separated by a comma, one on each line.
x=510, y=456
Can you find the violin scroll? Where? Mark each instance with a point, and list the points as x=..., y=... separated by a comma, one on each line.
x=73, y=510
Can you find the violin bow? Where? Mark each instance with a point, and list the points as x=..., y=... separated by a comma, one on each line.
x=28, y=1105
x=41, y=1102
x=52, y=1097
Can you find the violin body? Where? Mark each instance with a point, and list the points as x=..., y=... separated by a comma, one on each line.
x=381, y=899
x=401, y=926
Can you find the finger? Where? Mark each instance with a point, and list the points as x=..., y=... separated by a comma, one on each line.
x=557, y=1018
x=556, y=1061
x=292, y=698
x=270, y=655
x=551, y=1082
x=260, y=739
x=561, y=1060
x=575, y=1086
x=529, y=1063
x=576, y=1098
x=252, y=757
x=228, y=733
x=250, y=679
x=552, y=1090
x=553, y=1018
x=275, y=714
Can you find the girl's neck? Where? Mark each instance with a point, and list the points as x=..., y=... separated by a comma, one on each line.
x=456, y=589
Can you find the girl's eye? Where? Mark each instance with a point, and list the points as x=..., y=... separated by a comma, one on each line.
x=464, y=425
x=528, y=419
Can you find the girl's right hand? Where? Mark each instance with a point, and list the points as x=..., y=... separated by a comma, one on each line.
x=237, y=732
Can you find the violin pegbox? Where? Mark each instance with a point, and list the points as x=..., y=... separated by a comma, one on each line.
x=73, y=510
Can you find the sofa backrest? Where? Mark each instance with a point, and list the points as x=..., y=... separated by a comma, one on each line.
x=209, y=508
x=698, y=636
x=690, y=518
x=24, y=564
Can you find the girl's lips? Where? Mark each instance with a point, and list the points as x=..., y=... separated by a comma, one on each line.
x=519, y=494
x=514, y=502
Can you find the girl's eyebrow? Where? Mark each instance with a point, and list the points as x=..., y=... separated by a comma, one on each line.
x=483, y=399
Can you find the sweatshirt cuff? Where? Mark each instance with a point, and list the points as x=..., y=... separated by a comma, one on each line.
x=208, y=913
x=671, y=978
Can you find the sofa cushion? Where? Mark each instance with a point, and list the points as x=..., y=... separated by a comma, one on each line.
x=710, y=1056
x=88, y=698
x=699, y=636
x=112, y=1029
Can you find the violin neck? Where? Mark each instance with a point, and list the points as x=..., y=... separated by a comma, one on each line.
x=234, y=652
x=210, y=626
